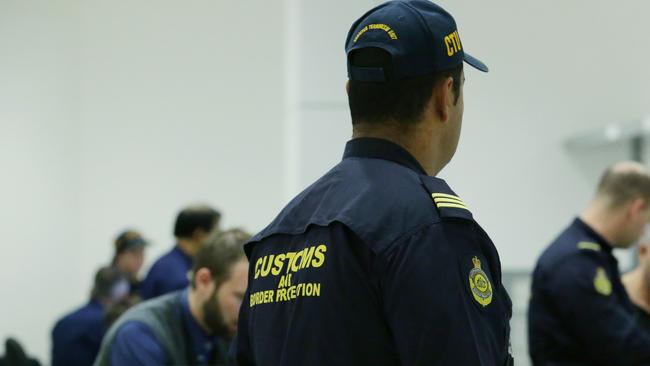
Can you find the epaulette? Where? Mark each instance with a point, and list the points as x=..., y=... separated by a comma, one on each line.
x=445, y=200
x=587, y=245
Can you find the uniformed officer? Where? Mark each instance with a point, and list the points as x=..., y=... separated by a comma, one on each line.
x=637, y=283
x=169, y=273
x=379, y=262
x=77, y=336
x=579, y=311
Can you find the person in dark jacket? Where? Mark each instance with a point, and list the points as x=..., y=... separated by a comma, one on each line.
x=379, y=262
x=579, y=312
x=77, y=336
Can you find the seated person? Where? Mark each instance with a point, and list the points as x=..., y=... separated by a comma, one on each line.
x=190, y=326
x=76, y=338
x=169, y=273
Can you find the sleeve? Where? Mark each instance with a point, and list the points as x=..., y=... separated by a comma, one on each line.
x=591, y=308
x=240, y=352
x=425, y=305
x=136, y=345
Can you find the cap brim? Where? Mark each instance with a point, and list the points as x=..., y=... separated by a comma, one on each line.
x=475, y=63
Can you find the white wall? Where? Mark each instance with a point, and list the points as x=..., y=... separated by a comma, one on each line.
x=181, y=103
x=117, y=114
x=39, y=179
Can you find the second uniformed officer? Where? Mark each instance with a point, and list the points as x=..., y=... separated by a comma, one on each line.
x=579, y=311
x=379, y=262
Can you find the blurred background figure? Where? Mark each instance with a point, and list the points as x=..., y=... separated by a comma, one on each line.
x=192, y=326
x=129, y=257
x=637, y=282
x=579, y=311
x=15, y=355
x=169, y=273
x=76, y=337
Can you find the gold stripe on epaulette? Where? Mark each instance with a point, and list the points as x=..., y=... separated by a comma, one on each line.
x=454, y=205
x=589, y=246
x=443, y=200
x=448, y=200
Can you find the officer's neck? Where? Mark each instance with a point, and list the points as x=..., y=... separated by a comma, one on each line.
x=603, y=221
x=416, y=140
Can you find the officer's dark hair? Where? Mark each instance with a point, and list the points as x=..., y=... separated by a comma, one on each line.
x=622, y=186
x=195, y=217
x=401, y=101
x=105, y=280
x=219, y=253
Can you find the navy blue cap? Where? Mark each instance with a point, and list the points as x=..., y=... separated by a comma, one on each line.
x=129, y=239
x=420, y=36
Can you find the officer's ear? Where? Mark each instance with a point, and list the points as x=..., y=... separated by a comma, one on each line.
x=443, y=98
x=637, y=207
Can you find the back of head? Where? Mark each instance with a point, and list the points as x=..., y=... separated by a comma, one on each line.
x=397, y=52
x=196, y=217
x=110, y=285
x=624, y=182
x=220, y=252
x=397, y=101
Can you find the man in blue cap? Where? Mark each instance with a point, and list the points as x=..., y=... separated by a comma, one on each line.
x=379, y=262
x=580, y=313
x=129, y=257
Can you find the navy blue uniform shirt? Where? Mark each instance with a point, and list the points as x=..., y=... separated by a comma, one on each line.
x=76, y=338
x=136, y=345
x=168, y=274
x=579, y=312
x=374, y=264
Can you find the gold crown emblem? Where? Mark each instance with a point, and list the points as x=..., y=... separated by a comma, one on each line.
x=477, y=262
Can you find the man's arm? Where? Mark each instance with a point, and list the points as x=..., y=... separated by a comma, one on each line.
x=582, y=292
x=428, y=305
x=136, y=345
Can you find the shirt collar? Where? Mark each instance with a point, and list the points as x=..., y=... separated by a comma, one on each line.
x=375, y=148
x=202, y=342
x=606, y=246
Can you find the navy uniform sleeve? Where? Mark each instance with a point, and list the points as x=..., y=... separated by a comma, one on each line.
x=431, y=317
x=594, y=314
x=136, y=345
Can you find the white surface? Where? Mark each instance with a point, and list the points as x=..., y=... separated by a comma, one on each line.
x=118, y=113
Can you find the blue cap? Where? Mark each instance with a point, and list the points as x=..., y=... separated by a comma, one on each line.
x=420, y=36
